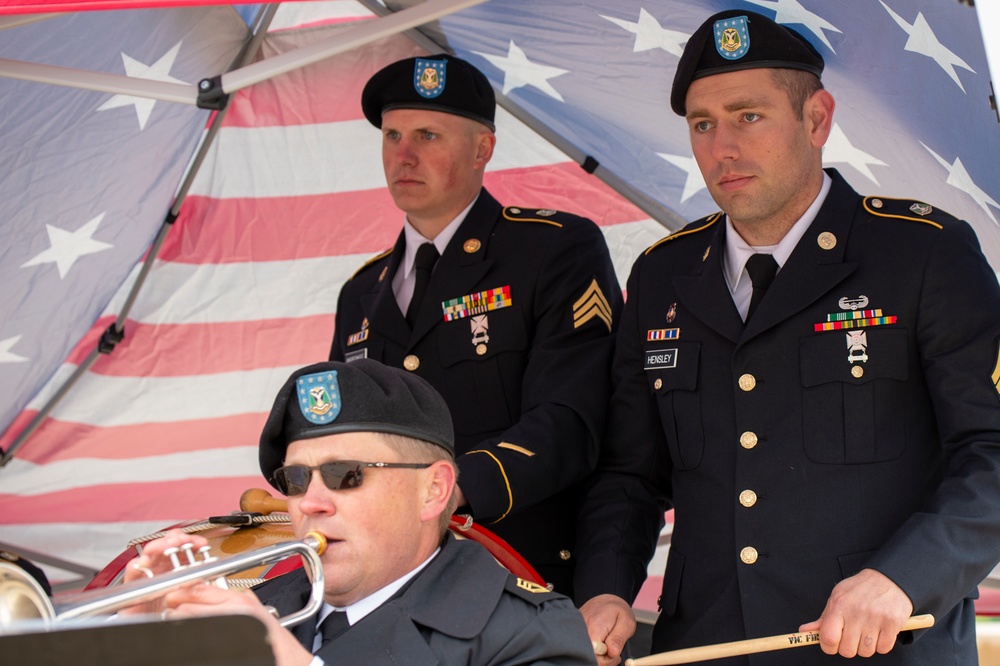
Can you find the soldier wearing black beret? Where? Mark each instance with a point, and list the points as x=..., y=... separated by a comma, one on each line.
x=811, y=379
x=507, y=311
x=364, y=453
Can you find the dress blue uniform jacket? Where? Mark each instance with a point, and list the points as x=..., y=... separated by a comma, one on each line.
x=462, y=608
x=803, y=447
x=527, y=392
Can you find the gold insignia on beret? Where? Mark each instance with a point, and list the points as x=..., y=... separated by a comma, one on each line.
x=826, y=240
x=528, y=586
x=592, y=304
x=472, y=245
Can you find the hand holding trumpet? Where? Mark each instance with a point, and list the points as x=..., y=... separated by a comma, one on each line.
x=202, y=598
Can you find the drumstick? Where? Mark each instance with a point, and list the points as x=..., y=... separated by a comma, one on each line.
x=751, y=646
x=258, y=500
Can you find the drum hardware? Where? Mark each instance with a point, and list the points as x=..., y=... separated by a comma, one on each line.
x=22, y=598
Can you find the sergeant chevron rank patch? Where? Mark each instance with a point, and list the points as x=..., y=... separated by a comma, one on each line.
x=592, y=304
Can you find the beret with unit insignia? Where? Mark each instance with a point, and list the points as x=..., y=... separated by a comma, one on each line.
x=437, y=83
x=734, y=40
x=362, y=396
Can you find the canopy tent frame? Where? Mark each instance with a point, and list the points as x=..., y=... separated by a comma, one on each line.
x=211, y=91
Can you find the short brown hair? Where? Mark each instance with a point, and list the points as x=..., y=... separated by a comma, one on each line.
x=799, y=86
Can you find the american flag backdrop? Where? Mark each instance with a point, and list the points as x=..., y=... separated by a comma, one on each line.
x=292, y=200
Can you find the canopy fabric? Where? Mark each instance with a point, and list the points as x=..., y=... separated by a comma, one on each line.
x=291, y=201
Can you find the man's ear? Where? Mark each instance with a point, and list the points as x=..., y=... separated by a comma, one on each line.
x=439, y=485
x=485, y=142
x=819, y=115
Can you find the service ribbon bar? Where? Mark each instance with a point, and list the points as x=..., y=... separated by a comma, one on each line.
x=663, y=334
x=859, y=314
x=853, y=323
x=358, y=337
x=476, y=304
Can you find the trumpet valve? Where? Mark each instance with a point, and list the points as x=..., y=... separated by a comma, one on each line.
x=188, y=550
x=175, y=561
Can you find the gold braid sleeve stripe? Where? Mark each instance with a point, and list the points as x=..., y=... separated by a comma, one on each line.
x=503, y=473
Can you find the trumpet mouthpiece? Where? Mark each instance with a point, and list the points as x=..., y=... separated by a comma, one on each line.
x=320, y=542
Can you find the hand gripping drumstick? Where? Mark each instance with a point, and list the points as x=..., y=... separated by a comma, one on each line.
x=739, y=648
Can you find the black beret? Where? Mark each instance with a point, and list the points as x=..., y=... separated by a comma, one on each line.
x=736, y=39
x=361, y=396
x=438, y=83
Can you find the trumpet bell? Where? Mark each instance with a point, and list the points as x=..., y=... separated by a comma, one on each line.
x=21, y=597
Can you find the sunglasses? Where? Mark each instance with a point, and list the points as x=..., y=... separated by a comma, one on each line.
x=337, y=475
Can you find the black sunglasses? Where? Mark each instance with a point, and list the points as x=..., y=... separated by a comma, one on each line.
x=337, y=475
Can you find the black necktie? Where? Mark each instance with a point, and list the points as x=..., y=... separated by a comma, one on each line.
x=333, y=626
x=427, y=256
x=762, y=269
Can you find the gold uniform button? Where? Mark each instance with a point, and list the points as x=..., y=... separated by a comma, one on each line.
x=748, y=440
x=472, y=245
x=826, y=240
x=748, y=382
x=748, y=555
x=876, y=203
x=411, y=362
x=658, y=384
x=857, y=371
x=564, y=554
x=481, y=349
x=748, y=498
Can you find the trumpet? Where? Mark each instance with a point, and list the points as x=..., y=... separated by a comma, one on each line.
x=22, y=598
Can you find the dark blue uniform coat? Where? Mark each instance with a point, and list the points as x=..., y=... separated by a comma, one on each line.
x=528, y=393
x=463, y=608
x=794, y=454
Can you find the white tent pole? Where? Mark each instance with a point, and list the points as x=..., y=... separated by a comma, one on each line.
x=99, y=81
x=364, y=33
